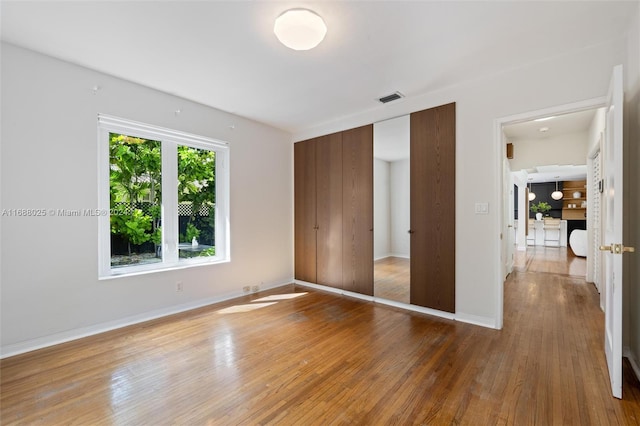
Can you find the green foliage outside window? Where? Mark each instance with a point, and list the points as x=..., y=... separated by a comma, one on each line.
x=136, y=190
x=196, y=186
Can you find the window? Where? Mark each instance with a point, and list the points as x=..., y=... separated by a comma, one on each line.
x=163, y=198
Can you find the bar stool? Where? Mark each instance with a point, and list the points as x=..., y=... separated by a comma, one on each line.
x=551, y=232
x=531, y=236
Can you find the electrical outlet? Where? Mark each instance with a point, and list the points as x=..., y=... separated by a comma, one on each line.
x=246, y=289
x=179, y=286
x=255, y=288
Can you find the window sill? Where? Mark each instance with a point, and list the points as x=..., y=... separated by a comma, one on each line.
x=172, y=267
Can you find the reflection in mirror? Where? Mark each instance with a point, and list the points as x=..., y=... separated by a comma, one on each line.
x=391, y=209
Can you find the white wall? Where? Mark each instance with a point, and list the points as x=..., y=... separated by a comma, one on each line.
x=50, y=287
x=381, y=210
x=595, y=134
x=595, y=129
x=400, y=203
x=557, y=81
x=391, y=208
x=561, y=150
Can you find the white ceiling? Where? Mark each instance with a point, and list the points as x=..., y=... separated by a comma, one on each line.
x=557, y=173
x=224, y=53
x=565, y=124
x=577, y=122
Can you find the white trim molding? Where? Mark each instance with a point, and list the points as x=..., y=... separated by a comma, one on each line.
x=487, y=322
x=633, y=360
x=170, y=141
x=79, y=333
x=458, y=316
x=499, y=153
x=385, y=256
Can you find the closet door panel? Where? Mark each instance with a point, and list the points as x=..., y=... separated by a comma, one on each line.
x=329, y=209
x=433, y=208
x=305, y=210
x=357, y=210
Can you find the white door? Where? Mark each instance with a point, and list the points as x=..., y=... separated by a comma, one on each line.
x=508, y=205
x=612, y=227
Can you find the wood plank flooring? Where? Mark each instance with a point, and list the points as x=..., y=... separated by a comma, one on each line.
x=320, y=358
x=555, y=260
x=391, y=279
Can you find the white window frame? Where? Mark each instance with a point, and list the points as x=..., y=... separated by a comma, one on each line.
x=170, y=140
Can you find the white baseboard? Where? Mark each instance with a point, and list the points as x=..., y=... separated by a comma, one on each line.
x=334, y=290
x=358, y=295
x=476, y=320
x=402, y=256
x=79, y=333
x=384, y=256
x=415, y=308
x=393, y=303
x=484, y=322
x=318, y=286
x=633, y=360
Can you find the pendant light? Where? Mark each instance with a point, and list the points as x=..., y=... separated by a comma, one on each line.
x=557, y=195
x=532, y=195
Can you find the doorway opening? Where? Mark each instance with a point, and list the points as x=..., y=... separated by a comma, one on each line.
x=549, y=163
x=539, y=161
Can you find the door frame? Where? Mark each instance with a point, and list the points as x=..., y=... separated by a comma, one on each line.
x=501, y=198
x=509, y=241
x=593, y=255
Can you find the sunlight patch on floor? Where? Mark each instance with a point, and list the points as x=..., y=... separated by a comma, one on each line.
x=244, y=308
x=280, y=297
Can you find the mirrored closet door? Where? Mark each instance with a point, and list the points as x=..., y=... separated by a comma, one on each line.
x=391, y=209
x=414, y=208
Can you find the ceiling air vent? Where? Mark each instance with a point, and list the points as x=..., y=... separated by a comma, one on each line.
x=392, y=97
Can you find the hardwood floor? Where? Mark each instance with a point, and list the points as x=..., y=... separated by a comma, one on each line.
x=391, y=279
x=555, y=260
x=320, y=358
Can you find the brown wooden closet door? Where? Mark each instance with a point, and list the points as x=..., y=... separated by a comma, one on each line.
x=433, y=212
x=329, y=209
x=357, y=210
x=305, y=210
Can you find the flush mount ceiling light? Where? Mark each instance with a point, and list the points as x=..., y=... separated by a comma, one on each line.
x=300, y=29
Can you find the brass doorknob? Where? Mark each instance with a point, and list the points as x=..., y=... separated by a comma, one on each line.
x=617, y=249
